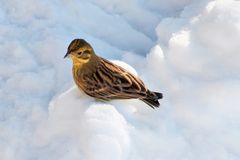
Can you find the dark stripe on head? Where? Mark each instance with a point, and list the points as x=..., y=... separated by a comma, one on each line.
x=78, y=43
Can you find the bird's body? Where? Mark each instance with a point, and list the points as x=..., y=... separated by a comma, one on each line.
x=104, y=80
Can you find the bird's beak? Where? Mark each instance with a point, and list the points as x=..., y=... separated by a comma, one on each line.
x=66, y=55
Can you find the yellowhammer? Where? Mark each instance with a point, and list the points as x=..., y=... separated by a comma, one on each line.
x=104, y=80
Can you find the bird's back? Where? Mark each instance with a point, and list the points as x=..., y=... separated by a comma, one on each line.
x=108, y=81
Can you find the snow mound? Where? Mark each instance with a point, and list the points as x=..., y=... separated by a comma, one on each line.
x=95, y=129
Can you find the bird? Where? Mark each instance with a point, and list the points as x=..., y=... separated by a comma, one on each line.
x=104, y=80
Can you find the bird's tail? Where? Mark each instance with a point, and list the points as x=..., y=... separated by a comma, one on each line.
x=152, y=99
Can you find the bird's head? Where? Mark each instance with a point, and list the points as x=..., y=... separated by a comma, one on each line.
x=80, y=51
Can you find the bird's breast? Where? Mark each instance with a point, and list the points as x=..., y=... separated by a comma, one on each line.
x=77, y=75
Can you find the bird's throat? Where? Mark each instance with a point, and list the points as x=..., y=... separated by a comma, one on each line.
x=83, y=66
x=77, y=62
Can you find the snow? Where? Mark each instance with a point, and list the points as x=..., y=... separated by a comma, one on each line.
x=188, y=50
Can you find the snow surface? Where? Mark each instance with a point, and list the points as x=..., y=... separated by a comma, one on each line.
x=188, y=50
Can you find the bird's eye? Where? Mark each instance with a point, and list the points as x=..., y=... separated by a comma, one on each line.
x=79, y=53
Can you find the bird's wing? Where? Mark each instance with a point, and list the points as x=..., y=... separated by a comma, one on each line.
x=111, y=81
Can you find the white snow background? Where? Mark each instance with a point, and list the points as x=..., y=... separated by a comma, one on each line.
x=188, y=50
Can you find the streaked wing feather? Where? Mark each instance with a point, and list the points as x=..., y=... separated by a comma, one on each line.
x=113, y=82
